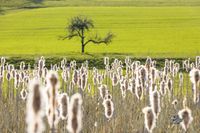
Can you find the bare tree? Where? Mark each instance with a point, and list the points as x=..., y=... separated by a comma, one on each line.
x=80, y=26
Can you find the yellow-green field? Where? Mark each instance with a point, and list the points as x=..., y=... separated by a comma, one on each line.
x=140, y=31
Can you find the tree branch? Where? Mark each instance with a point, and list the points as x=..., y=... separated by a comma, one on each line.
x=98, y=40
x=70, y=36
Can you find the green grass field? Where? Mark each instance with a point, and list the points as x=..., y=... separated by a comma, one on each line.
x=55, y=3
x=140, y=31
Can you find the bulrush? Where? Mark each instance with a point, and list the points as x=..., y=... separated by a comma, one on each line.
x=149, y=119
x=123, y=89
x=3, y=60
x=75, y=114
x=148, y=63
x=8, y=76
x=174, y=103
x=75, y=77
x=132, y=85
x=106, y=61
x=23, y=94
x=186, y=116
x=22, y=65
x=84, y=80
x=153, y=75
x=114, y=79
x=169, y=87
x=109, y=108
x=89, y=88
x=64, y=104
x=180, y=80
x=103, y=90
x=155, y=102
x=143, y=74
x=139, y=91
x=34, y=111
x=163, y=88
x=52, y=103
x=195, y=79
x=99, y=79
x=17, y=80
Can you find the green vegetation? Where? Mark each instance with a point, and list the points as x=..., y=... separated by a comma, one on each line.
x=140, y=31
x=50, y=3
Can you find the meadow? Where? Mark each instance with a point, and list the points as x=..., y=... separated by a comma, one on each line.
x=48, y=86
x=140, y=31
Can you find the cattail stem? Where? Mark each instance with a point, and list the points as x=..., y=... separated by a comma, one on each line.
x=16, y=110
x=8, y=90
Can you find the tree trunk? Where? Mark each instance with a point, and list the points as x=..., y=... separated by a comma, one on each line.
x=83, y=49
x=82, y=41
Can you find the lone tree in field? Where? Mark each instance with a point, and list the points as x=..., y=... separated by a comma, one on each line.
x=80, y=27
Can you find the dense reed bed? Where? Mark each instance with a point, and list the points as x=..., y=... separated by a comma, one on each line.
x=125, y=97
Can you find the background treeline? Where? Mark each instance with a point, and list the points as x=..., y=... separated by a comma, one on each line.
x=47, y=3
x=97, y=62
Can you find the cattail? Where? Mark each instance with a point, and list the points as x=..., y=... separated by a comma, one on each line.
x=148, y=63
x=106, y=61
x=89, y=88
x=186, y=116
x=3, y=60
x=99, y=79
x=23, y=94
x=41, y=63
x=174, y=103
x=64, y=104
x=17, y=80
x=75, y=114
x=114, y=79
x=75, y=77
x=170, y=87
x=139, y=91
x=150, y=119
x=180, y=80
x=108, y=96
x=83, y=81
x=143, y=73
x=195, y=79
x=63, y=63
x=155, y=102
x=35, y=113
x=52, y=92
x=127, y=60
x=109, y=108
x=163, y=88
x=103, y=91
x=22, y=65
x=8, y=76
x=123, y=89
x=132, y=85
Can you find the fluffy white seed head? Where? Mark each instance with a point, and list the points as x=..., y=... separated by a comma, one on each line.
x=155, y=102
x=64, y=104
x=75, y=114
x=149, y=119
x=109, y=108
x=35, y=111
x=186, y=116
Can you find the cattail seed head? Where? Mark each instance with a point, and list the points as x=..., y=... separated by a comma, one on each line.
x=150, y=119
x=109, y=108
x=64, y=104
x=75, y=114
x=155, y=102
x=35, y=111
x=186, y=116
x=23, y=94
x=103, y=91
